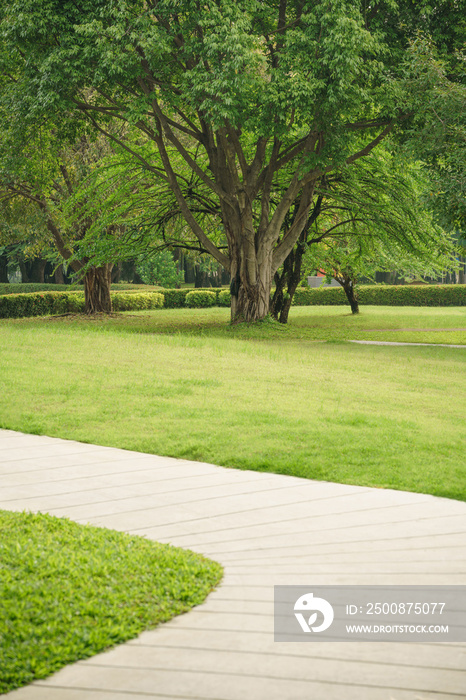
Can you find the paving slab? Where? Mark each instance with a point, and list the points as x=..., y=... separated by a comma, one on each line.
x=266, y=529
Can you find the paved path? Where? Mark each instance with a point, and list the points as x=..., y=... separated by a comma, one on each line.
x=265, y=529
x=390, y=342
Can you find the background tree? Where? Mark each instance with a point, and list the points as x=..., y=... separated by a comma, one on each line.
x=38, y=181
x=349, y=258
x=381, y=203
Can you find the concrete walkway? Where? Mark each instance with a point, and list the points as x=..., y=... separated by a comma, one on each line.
x=389, y=342
x=265, y=529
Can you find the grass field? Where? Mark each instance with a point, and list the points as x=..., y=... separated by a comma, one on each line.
x=266, y=397
x=70, y=591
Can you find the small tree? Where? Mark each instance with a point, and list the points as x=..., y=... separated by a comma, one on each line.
x=375, y=211
x=44, y=190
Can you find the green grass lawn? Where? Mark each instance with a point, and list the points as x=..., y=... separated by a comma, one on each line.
x=184, y=383
x=69, y=591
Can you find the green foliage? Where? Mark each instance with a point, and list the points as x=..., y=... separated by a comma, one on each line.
x=386, y=295
x=40, y=304
x=436, y=133
x=176, y=298
x=263, y=99
x=159, y=269
x=134, y=301
x=200, y=299
x=26, y=288
x=70, y=591
x=50, y=303
x=414, y=295
x=224, y=298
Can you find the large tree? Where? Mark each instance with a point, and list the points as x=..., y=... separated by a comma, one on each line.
x=254, y=97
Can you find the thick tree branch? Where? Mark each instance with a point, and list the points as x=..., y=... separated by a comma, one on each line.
x=289, y=240
x=185, y=210
x=112, y=137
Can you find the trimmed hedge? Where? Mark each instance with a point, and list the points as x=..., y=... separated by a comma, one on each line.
x=50, y=303
x=40, y=304
x=176, y=298
x=134, y=301
x=27, y=288
x=199, y=299
x=414, y=295
x=307, y=296
x=224, y=298
x=385, y=295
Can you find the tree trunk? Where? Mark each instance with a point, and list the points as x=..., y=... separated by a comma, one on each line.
x=251, y=303
x=59, y=277
x=250, y=287
x=291, y=276
x=24, y=272
x=37, y=270
x=116, y=273
x=97, y=283
x=4, y=268
x=351, y=295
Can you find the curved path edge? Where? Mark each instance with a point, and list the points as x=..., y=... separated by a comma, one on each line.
x=265, y=529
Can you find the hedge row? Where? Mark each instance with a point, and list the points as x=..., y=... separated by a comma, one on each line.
x=50, y=303
x=28, y=287
x=40, y=304
x=134, y=301
x=386, y=295
x=176, y=298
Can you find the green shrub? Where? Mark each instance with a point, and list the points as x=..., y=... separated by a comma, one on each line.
x=132, y=301
x=200, y=299
x=40, y=304
x=413, y=295
x=49, y=303
x=75, y=303
x=315, y=296
x=386, y=295
x=224, y=298
x=176, y=298
x=27, y=288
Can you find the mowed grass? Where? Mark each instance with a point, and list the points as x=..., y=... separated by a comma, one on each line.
x=265, y=397
x=400, y=324
x=70, y=591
